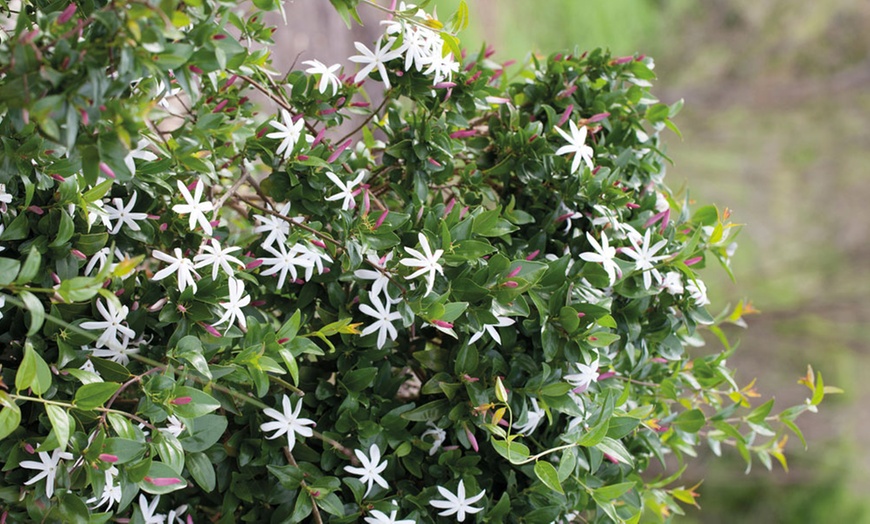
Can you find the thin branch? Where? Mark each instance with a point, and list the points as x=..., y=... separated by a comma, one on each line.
x=315, y=511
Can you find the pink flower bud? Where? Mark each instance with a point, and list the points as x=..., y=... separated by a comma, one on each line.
x=107, y=170
x=181, y=401
x=605, y=376
x=659, y=360
x=471, y=439
x=67, y=14
x=105, y=457
x=468, y=378
x=28, y=448
x=302, y=158
x=490, y=50
x=78, y=254
x=222, y=104
x=163, y=481
x=632, y=205
x=597, y=118
x=55, y=278
x=218, y=37
x=434, y=162
x=381, y=218
x=194, y=69
x=36, y=209
x=474, y=77
x=611, y=458
x=463, y=133
x=118, y=293
x=319, y=137
x=58, y=178
x=510, y=284
x=230, y=81
x=694, y=260
x=444, y=85
x=533, y=254
x=443, y=324
x=514, y=272
x=258, y=303
x=622, y=60
x=334, y=156
x=210, y=329
x=449, y=207
x=328, y=111
x=580, y=314
x=157, y=306
x=359, y=104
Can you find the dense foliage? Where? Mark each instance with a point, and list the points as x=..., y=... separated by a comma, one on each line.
x=477, y=300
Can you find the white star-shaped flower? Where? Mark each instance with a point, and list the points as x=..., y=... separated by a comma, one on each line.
x=457, y=504
x=111, y=325
x=577, y=145
x=672, y=283
x=428, y=262
x=379, y=517
x=276, y=228
x=492, y=329
x=375, y=59
x=371, y=469
x=287, y=422
x=149, y=510
x=119, y=351
x=644, y=257
x=217, y=258
x=328, y=78
x=698, y=291
x=534, y=416
x=347, y=189
x=585, y=376
x=378, y=275
x=441, y=68
x=47, y=467
x=180, y=265
x=604, y=254
x=285, y=262
x=385, y=319
x=317, y=257
x=124, y=214
x=288, y=132
x=438, y=437
x=233, y=307
x=174, y=426
x=5, y=198
x=194, y=207
x=111, y=491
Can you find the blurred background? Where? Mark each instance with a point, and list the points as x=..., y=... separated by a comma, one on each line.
x=775, y=126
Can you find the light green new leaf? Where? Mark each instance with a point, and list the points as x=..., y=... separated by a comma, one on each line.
x=90, y=396
x=202, y=471
x=37, y=312
x=60, y=422
x=33, y=372
x=10, y=416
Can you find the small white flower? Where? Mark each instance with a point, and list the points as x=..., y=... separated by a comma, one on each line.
x=371, y=469
x=276, y=229
x=111, y=491
x=644, y=256
x=2, y=228
x=375, y=59
x=347, y=189
x=438, y=437
x=100, y=258
x=141, y=152
x=328, y=78
x=111, y=325
x=2, y=303
x=149, y=510
x=533, y=417
x=233, y=307
x=441, y=68
x=378, y=275
x=385, y=319
x=288, y=132
x=698, y=291
x=492, y=329
x=217, y=258
x=379, y=517
x=317, y=257
x=285, y=262
x=174, y=426
x=672, y=283
x=428, y=262
x=124, y=214
x=5, y=198
x=47, y=467
x=287, y=422
x=586, y=375
x=577, y=145
x=119, y=351
x=457, y=504
x=178, y=264
x=604, y=254
x=194, y=207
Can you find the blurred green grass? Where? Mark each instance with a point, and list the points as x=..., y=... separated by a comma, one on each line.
x=775, y=129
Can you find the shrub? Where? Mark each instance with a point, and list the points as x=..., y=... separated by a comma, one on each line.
x=482, y=302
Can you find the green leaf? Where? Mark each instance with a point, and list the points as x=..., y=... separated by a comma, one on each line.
x=202, y=471
x=466, y=360
x=60, y=422
x=8, y=270
x=10, y=416
x=615, y=449
x=30, y=268
x=690, y=421
x=547, y=474
x=204, y=431
x=613, y=492
x=515, y=452
x=37, y=312
x=429, y=411
x=359, y=379
x=159, y=480
x=169, y=449
x=90, y=396
x=331, y=504
x=758, y=414
x=33, y=372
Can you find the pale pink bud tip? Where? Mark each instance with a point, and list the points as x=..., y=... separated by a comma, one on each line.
x=449, y=207
x=28, y=448
x=334, y=156
x=163, y=227
x=622, y=60
x=611, y=458
x=163, y=481
x=471, y=439
x=580, y=314
x=55, y=278
x=36, y=209
x=515, y=271
x=605, y=376
x=444, y=85
x=222, y=104
x=597, y=118
x=105, y=457
x=302, y=158
x=434, y=162
x=58, y=178
x=694, y=260
x=107, y=170
x=468, y=378
x=564, y=217
x=533, y=254
x=463, y=133
x=632, y=205
x=180, y=401
x=318, y=243
x=659, y=360
x=443, y=324
x=78, y=254
x=67, y=14
x=510, y=284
